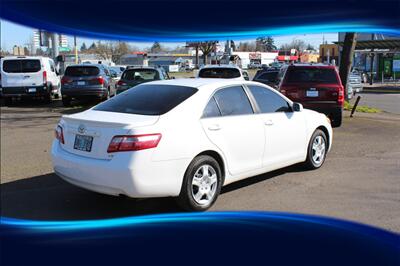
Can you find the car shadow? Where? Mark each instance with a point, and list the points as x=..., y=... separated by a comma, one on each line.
x=48, y=197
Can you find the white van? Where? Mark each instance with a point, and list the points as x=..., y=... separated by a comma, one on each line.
x=29, y=76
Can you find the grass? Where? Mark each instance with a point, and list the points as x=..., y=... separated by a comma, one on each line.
x=361, y=108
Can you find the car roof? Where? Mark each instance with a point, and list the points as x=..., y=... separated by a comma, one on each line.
x=201, y=83
x=85, y=65
x=24, y=57
x=312, y=65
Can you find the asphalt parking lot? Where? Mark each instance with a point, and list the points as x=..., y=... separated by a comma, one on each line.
x=359, y=181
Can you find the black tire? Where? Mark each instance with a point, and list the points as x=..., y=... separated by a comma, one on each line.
x=66, y=101
x=337, y=119
x=310, y=162
x=48, y=98
x=186, y=198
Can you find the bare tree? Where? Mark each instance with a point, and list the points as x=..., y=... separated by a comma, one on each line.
x=299, y=45
x=111, y=50
x=207, y=48
x=346, y=59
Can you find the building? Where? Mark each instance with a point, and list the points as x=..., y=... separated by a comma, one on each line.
x=329, y=53
x=18, y=50
x=63, y=40
x=377, y=55
x=308, y=57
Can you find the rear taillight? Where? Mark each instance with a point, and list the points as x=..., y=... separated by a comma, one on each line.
x=121, y=83
x=59, y=134
x=340, y=99
x=65, y=80
x=44, y=77
x=133, y=143
x=100, y=80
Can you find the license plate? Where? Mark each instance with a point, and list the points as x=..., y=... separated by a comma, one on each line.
x=32, y=90
x=81, y=83
x=83, y=143
x=312, y=93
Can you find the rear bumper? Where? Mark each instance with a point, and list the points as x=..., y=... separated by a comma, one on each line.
x=327, y=109
x=94, y=91
x=133, y=174
x=31, y=91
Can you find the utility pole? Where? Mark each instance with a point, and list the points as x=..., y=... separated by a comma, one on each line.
x=346, y=60
x=76, y=50
x=54, y=45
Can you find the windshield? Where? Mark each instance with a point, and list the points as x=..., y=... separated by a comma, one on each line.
x=148, y=99
x=140, y=74
x=311, y=74
x=219, y=72
x=21, y=66
x=78, y=71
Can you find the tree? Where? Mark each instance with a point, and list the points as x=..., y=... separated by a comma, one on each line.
x=346, y=59
x=299, y=45
x=247, y=47
x=265, y=44
x=83, y=47
x=310, y=47
x=111, y=50
x=156, y=47
x=207, y=48
x=92, y=47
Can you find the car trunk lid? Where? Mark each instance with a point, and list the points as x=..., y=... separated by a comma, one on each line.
x=89, y=133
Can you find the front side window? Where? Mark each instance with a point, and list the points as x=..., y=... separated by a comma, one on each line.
x=233, y=101
x=148, y=99
x=268, y=101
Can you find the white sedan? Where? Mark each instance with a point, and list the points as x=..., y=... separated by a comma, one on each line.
x=186, y=138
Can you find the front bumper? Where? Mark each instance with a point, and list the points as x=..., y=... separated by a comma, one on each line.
x=25, y=91
x=133, y=174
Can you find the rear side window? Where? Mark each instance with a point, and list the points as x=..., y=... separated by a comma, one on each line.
x=268, y=101
x=79, y=71
x=21, y=66
x=211, y=109
x=311, y=74
x=140, y=74
x=219, y=72
x=148, y=99
x=233, y=101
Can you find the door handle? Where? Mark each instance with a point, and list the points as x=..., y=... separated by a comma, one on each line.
x=269, y=123
x=214, y=127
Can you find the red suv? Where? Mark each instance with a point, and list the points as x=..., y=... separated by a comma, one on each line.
x=318, y=87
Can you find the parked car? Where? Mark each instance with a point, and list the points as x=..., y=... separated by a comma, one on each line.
x=267, y=77
x=85, y=81
x=134, y=76
x=186, y=138
x=354, y=82
x=29, y=77
x=318, y=87
x=223, y=72
x=254, y=66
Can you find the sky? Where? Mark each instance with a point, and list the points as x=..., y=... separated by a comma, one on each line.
x=15, y=34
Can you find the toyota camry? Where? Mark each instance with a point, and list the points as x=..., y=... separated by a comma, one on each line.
x=186, y=138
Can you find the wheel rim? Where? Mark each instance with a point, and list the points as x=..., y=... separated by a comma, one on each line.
x=204, y=184
x=318, y=150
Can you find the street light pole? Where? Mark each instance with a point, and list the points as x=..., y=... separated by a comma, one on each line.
x=76, y=50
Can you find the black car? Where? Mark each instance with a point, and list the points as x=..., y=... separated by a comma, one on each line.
x=85, y=81
x=133, y=76
x=268, y=77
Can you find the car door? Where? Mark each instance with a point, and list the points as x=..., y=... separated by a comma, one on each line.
x=230, y=123
x=285, y=130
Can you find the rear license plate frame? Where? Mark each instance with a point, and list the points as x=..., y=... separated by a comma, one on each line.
x=83, y=143
x=312, y=93
x=81, y=83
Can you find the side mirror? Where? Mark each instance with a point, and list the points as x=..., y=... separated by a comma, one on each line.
x=114, y=75
x=297, y=107
x=246, y=78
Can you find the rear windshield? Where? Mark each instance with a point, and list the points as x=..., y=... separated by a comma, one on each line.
x=219, y=72
x=21, y=66
x=148, y=99
x=140, y=74
x=311, y=74
x=268, y=76
x=78, y=71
